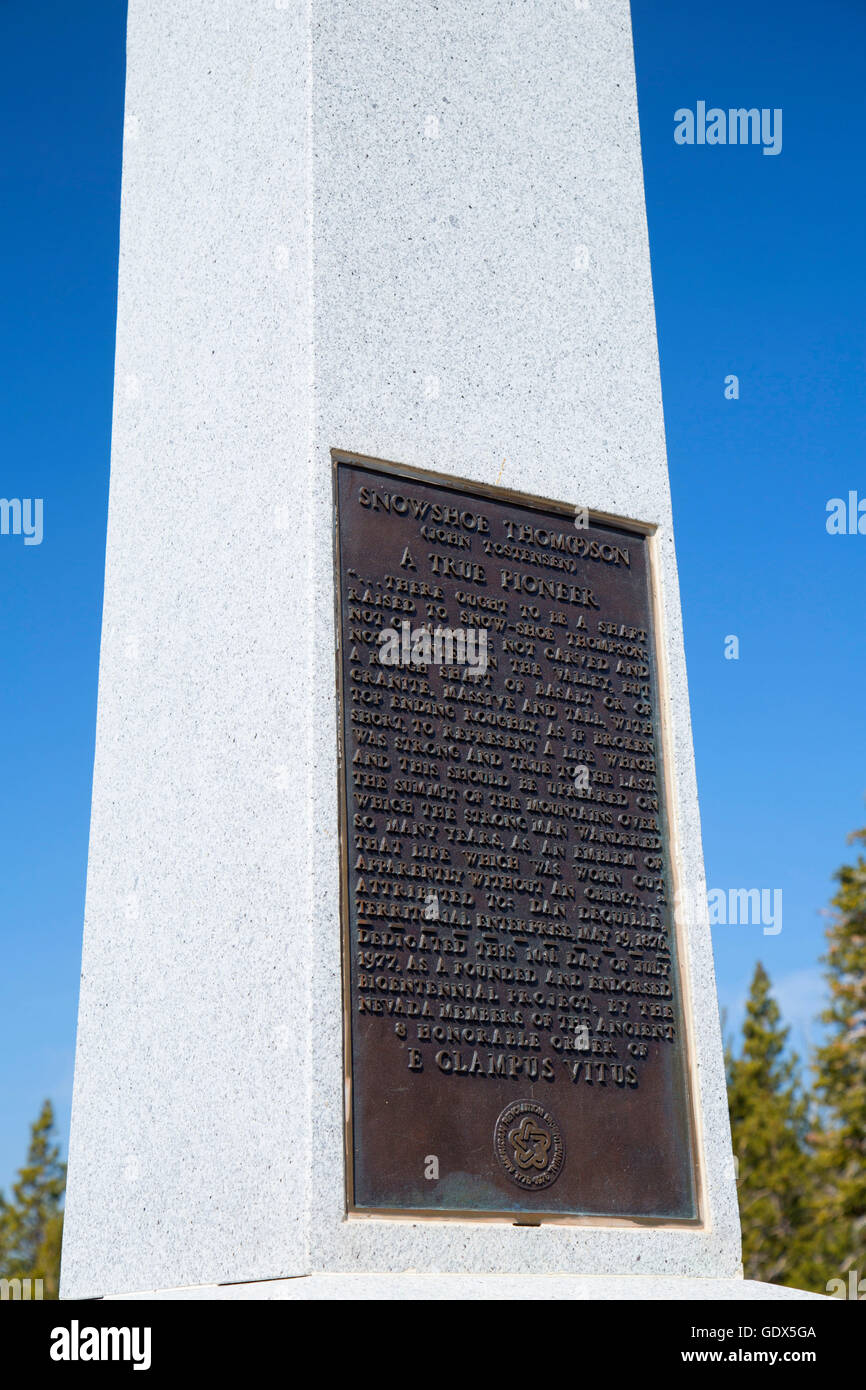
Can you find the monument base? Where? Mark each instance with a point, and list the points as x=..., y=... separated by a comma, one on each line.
x=421, y=1287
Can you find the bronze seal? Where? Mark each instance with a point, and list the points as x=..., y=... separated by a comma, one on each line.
x=529, y=1144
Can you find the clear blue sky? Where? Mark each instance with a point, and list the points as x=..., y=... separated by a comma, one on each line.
x=758, y=271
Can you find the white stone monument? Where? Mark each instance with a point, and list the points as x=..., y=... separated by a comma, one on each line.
x=416, y=233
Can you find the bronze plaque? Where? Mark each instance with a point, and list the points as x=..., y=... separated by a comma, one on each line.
x=514, y=1030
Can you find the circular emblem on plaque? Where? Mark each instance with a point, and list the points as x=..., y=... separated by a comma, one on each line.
x=528, y=1144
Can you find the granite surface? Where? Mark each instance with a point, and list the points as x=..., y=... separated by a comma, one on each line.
x=410, y=231
x=426, y=1287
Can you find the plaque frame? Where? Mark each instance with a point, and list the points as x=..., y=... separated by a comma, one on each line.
x=649, y=532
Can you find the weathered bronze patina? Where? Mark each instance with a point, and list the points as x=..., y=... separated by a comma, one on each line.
x=514, y=1030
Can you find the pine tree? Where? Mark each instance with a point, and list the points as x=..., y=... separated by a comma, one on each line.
x=840, y=1066
x=771, y=1127
x=31, y=1225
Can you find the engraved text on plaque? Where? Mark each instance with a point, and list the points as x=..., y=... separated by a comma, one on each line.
x=513, y=1014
